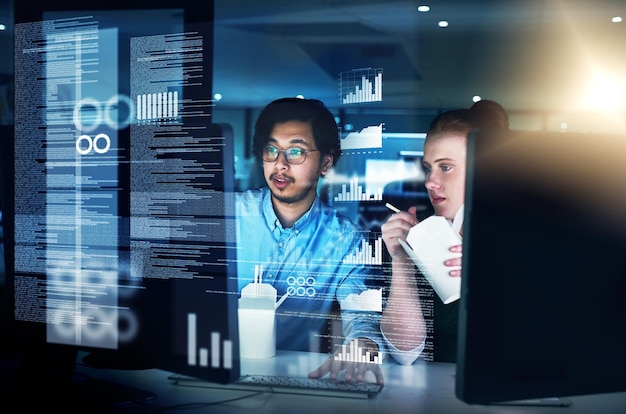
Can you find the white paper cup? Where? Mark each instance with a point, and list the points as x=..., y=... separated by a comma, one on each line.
x=257, y=328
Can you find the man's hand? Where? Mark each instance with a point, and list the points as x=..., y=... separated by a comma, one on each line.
x=353, y=371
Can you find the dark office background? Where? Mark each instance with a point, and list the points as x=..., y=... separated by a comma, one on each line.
x=554, y=65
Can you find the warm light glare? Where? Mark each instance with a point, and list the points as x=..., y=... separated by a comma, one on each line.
x=605, y=93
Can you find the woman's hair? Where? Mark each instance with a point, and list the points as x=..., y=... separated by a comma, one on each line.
x=489, y=114
x=312, y=111
x=482, y=114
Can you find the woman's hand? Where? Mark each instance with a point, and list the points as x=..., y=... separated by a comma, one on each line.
x=397, y=227
x=455, y=261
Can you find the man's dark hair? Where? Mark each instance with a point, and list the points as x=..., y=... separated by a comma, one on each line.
x=313, y=111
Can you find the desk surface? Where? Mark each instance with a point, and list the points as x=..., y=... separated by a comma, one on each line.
x=424, y=387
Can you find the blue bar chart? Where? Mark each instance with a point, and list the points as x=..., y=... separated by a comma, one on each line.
x=157, y=106
x=355, y=192
x=367, y=254
x=352, y=352
x=220, y=353
x=361, y=85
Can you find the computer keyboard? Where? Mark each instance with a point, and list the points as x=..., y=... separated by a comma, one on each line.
x=289, y=385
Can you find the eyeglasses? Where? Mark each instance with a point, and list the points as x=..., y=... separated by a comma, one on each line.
x=294, y=155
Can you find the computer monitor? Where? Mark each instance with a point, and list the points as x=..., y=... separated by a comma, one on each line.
x=103, y=82
x=544, y=270
x=119, y=229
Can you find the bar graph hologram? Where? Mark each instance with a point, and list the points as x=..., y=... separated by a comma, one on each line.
x=352, y=352
x=355, y=192
x=361, y=85
x=367, y=254
x=157, y=106
x=219, y=354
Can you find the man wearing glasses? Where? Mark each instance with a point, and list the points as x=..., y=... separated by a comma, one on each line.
x=300, y=242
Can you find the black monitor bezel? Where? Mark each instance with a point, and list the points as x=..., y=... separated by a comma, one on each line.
x=540, y=313
x=30, y=337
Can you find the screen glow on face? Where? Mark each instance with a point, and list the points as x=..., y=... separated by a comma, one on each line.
x=294, y=155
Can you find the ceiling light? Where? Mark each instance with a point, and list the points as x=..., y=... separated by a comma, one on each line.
x=442, y=23
x=476, y=98
x=423, y=9
x=616, y=19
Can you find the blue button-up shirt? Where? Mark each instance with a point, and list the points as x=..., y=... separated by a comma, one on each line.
x=307, y=262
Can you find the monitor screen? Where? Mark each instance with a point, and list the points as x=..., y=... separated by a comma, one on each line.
x=544, y=274
x=121, y=237
x=122, y=234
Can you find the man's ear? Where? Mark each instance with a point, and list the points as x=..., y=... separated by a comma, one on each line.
x=327, y=164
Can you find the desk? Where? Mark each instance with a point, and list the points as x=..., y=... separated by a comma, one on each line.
x=424, y=387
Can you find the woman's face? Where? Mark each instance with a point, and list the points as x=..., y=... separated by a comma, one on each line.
x=444, y=163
